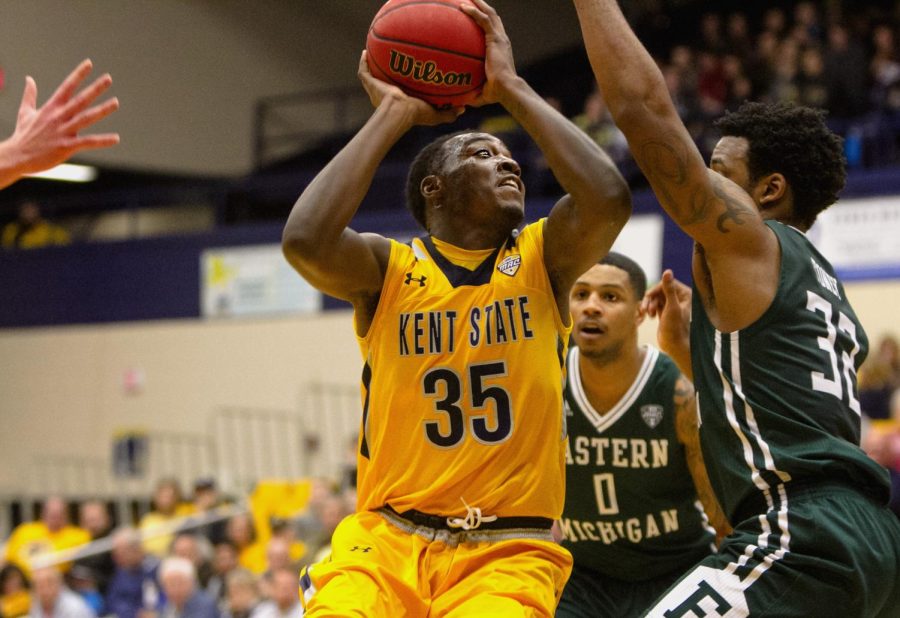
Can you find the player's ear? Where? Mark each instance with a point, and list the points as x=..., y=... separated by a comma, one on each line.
x=770, y=190
x=639, y=314
x=431, y=187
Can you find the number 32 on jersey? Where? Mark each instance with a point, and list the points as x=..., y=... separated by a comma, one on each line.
x=841, y=362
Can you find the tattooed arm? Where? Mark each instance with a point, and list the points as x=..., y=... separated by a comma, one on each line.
x=687, y=427
x=736, y=271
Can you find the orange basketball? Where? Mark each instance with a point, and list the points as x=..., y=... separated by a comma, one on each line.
x=430, y=49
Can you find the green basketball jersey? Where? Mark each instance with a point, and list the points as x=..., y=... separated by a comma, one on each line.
x=631, y=509
x=778, y=399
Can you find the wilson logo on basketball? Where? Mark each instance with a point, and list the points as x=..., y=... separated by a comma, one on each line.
x=426, y=72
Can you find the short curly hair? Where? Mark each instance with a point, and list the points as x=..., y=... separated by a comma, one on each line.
x=636, y=276
x=795, y=142
x=426, y=163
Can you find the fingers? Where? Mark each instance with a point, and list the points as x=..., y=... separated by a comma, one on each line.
x=363, y=64
x=29, y=96
x=86, y=96
x=91, y=142
x=478, y=11
x=91, y=116
x=66, y=89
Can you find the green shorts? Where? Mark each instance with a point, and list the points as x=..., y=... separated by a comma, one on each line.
x=826, y=550
x=591, y=594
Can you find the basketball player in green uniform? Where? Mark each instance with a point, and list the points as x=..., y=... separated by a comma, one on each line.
x=774, y=346
x=634, y=470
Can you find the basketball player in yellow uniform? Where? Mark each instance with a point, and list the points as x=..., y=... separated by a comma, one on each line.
x=463, y=334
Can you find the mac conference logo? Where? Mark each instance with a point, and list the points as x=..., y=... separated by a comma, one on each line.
x=510, y=265
x=652, y=414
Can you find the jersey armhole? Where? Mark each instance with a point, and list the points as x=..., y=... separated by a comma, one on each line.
x=388, y=291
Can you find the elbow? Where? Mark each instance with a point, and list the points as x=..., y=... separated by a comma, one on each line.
x=297, y=245
x=616, y=195
x=634, y=112
x=620, y=205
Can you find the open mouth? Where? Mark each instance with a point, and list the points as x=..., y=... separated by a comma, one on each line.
x=592, y=329
x=511, y=182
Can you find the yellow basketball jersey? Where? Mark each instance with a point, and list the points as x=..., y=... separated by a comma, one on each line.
x=462, y=385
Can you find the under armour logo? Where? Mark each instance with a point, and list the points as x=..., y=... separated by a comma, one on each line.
x=419, y=280
x=363, y=548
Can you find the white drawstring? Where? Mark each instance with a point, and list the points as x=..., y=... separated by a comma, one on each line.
x=472, y=520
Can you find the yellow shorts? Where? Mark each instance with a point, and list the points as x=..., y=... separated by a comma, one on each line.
x=382, y=566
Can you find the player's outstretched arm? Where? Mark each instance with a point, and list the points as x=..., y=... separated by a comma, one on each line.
x=584, y=224
x=316, y=240
x=670, y=302
x=714, y=211
x=48, y=135
x=687, y=428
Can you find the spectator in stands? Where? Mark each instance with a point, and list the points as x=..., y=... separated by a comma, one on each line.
x=807, y=25
x=278, y=556
x=93, y=516
x=243, y=595
x=329, y=513
x=168, y=506
x=885, y=68
x=183, y=597
x=52, y=533
x=225, y=560
x=197, y=549
x=846, y=72
x=882, y=443
x=251, y=552
x=83, y=581
x=740, y=88
x=812, y=85
x=597, y=123
x=15, y=593
x=783, y=86
x=739, y=42
x=133, y=588
x=775, y=22
x=879, y=377
x=51, y=599
x=206, y=500
x=284, y=602
x=31, y=230
x=48, y=135
x=711, y=39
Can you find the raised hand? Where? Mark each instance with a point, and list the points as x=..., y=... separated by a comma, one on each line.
x=48, y=135
x=670, y=301
x=421, y=113
x=500, y=68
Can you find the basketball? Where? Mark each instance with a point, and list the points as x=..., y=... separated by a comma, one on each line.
x=429, y=49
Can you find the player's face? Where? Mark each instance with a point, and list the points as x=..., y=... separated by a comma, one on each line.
x=730, y=159
x=605, y=312
x=483, y=180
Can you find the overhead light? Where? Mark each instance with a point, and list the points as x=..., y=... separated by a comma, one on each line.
x=68, y=172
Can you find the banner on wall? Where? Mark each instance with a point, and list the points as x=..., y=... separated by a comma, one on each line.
x=253, y=281
x=642, y=241
x=860, y=238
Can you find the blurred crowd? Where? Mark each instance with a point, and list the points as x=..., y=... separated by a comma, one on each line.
x=879, y=398
x=839, y=56
x=205, y=556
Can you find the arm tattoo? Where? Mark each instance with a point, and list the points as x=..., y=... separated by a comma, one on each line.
x=735, y=208
x=667, y=169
